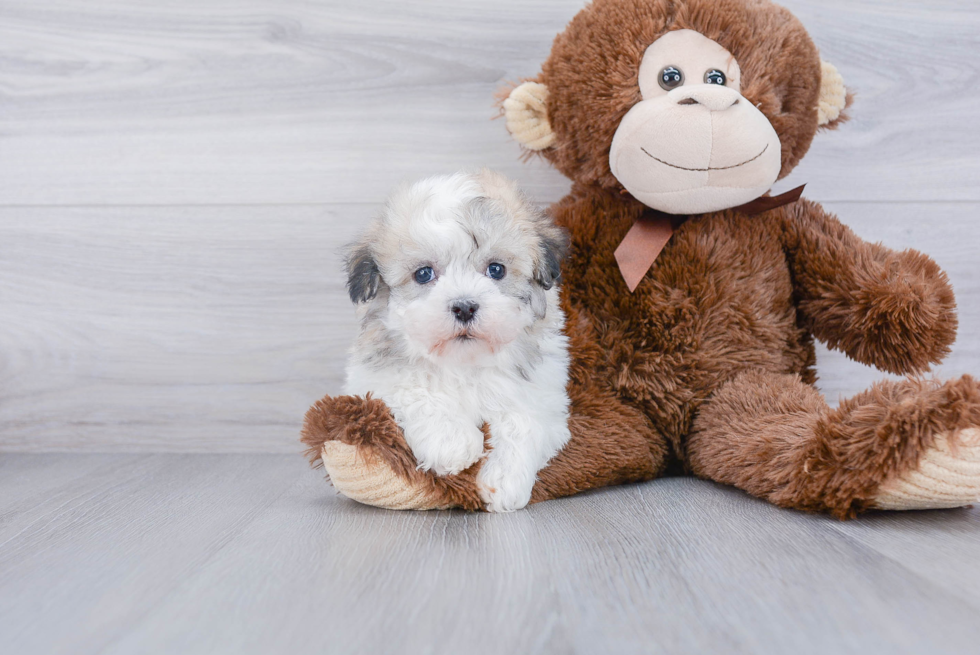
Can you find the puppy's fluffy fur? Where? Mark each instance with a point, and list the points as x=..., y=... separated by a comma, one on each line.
x=443, y=376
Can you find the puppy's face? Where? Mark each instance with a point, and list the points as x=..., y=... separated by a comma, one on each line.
x=458, y=265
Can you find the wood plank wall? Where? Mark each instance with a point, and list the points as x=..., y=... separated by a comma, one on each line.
x=176, y=181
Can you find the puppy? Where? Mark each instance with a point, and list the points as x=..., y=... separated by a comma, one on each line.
x=461, y=326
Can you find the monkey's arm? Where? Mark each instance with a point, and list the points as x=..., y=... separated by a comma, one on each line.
x=892, y=310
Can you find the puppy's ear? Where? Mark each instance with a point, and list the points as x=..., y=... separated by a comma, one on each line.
x=552, y=240
x=363, y=276
x=553, y=248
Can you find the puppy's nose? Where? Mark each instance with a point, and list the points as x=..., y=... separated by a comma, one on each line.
x=712, y=96
x=464, y=310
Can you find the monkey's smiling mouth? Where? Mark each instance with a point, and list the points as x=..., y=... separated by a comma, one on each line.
x=705, y=170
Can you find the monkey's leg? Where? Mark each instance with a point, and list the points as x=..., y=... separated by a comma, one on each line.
x=368, y=460
x=611, y=443
x=913, y=444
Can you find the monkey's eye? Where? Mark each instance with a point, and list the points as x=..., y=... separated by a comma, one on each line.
x=670, y=78
x=424, y=275
x=496, y=271
x=715, y=76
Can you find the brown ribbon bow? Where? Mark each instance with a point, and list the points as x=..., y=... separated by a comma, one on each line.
x=650, y=233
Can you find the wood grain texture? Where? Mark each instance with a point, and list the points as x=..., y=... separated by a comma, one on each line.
x=170, y=328
x=212, y=329
x=254, y=554
x=184, y=324
x=286, y=101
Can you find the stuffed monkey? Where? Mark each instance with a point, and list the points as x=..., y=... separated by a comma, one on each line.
x=693, y=298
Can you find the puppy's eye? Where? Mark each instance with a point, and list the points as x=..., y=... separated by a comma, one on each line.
x=670, y=78
x=496, y=271
x=715, y=76
x=424, y=275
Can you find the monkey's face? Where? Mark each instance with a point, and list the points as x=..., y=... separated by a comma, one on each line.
x=647, y=97
x=693, y=144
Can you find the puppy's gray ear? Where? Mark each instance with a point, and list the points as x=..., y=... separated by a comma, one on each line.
x=363, y=276
x=553, y=247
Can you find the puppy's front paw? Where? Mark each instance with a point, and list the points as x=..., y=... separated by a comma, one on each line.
x=446, y=448
x=503, y=489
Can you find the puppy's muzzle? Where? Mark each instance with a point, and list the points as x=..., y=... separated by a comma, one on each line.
x=464, y=310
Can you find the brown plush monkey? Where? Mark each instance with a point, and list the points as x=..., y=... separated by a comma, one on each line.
x=673, y=117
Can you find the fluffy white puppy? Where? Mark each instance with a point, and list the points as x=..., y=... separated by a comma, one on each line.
x=460, y=326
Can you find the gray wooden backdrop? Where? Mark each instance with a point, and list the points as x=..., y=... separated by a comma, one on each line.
x=176, y=179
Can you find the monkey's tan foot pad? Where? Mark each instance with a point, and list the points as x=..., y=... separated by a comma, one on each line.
x=374, y=482
x=948, y=476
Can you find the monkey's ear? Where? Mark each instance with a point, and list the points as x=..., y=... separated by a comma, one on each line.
x=363, y=276
x=833, y=97
x=526, y=111
x=554, y=248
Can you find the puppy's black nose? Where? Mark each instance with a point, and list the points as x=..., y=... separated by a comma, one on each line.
x=464, y=310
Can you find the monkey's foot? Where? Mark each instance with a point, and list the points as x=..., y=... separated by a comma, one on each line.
x=948, y=475
x=367, y=459
x=373, y=482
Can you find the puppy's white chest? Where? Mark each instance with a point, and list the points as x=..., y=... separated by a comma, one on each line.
x=476, y=393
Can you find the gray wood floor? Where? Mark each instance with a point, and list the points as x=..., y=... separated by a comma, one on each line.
x=176, y=181
x=168, y=553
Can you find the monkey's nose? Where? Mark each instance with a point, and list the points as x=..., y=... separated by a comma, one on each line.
x=464, y=310
x=711, y=96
